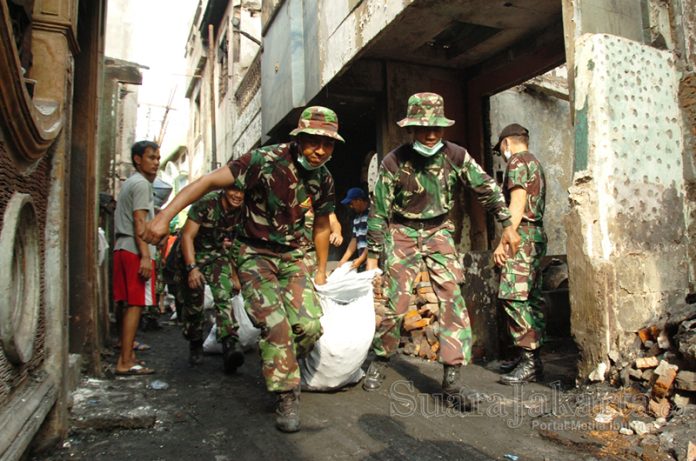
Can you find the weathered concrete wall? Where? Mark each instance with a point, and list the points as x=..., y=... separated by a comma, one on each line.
x=480, y=291
x=247, y=132
x=626, y=239
x=685, y=30
x=345, y=31
x=687, y=101
x=548, y=120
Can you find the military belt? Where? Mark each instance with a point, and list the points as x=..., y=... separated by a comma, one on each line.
x=420, y=223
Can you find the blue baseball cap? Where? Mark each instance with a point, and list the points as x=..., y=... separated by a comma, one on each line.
x=353, y=194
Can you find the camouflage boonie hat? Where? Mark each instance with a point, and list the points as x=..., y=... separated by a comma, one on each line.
x=426, y=109
x=320, y=121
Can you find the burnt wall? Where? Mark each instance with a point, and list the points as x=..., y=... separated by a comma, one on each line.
x=35, y=183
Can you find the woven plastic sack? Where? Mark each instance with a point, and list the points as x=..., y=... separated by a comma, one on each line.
x=348, y=322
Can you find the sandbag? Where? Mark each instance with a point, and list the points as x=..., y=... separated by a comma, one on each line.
x=348, y=322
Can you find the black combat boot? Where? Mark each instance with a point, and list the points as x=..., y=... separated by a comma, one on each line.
x=454, y=393
x=232, y=354
x=509, y=365
x=529, y=369
x=288, y=411
x=195, y=352
x=375, y=374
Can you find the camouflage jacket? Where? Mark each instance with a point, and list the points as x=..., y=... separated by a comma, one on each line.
x=215, y=224
x=525, y=171
x=278, y=193
x=415, y=187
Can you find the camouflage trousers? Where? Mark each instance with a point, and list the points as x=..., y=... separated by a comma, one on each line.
x=217, y=273
x=280, y=300
x=435, y=248
x=520, y=290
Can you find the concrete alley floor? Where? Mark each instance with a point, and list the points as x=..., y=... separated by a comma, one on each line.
x=205, y=415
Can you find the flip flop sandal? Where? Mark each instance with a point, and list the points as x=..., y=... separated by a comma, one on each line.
x=134, y=371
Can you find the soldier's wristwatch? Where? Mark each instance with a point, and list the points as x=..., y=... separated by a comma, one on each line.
x=190, y=267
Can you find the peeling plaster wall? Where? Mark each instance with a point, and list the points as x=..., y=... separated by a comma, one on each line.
x=687, y=101
x=686, y=19
x=247, y=131
x=626, y=239
x=548, y=120
x=345, y=35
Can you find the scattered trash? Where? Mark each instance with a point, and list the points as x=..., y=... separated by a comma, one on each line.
x=511, y=457
x=625, y=431
x=159, y=385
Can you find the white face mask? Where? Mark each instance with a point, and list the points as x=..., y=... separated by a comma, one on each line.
x=507, y=154
x=426, y=151
x=308, y=166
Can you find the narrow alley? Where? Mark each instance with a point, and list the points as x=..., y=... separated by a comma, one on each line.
x=507, y=186
x=184, y=412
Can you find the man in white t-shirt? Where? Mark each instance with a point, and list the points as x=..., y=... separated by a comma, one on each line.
x=134, y=259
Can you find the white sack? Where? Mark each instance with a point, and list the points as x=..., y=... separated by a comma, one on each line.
x=347, y=300
x=211, y=344
x=208, y=300
x=248, y=333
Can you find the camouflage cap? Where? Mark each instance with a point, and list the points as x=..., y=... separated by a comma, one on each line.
x=425, y=109
x=320, y=121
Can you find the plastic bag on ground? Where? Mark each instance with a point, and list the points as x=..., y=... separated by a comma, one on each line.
x=248, y=333
x=348, y=321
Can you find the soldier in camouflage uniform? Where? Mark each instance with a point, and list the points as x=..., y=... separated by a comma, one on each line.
x=520, y=281
x=281, y=182
x=205, y=241
x=413, y=196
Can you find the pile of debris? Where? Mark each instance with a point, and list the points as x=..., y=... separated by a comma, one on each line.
x=421, y=327
x=664, y=363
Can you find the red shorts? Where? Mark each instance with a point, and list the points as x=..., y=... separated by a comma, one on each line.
x=129, y=286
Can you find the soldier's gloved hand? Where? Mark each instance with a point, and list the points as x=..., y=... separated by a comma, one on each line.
x=196, y=281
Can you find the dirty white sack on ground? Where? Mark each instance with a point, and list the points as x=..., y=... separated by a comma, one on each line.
x=348, y=322
x=248, y=333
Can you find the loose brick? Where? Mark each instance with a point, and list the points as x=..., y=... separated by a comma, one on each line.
x=417, y=324
x=686, y=381
x=646, y=362
x=666, y=374
x=659, y=408
x=644, y=335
